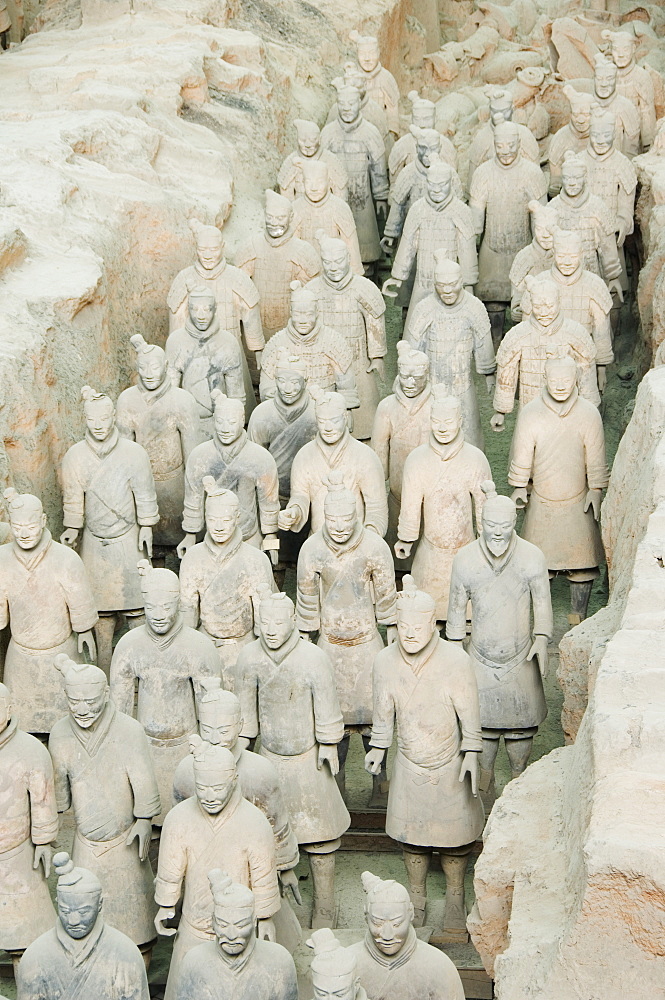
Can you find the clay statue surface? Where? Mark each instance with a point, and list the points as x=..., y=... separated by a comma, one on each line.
x=287, y=692
x=440, y=491
x=534, y=258
x=371, y=111
x=574, y=136
x=47, y=601
x=167, y=661
x=559, y=444
x=426, y=686
x=165, y=420
x=402, y=422
x=217, y=823
x=83, y=955
x=334, y=970
x=545, y=333
x=392, y=963
x=381, y=84
x=359, y=145
x=220, y=578
x=104, y=772
x=529, y=110
x=608, y=96
x=273, y=259
x=317, y=208
x=505, y=580
x=333, y=448
x=483, y=145
x=353, y=306
x=326, y=356
x=236, y=464
x=290, y=178
x=451, y=326
x=423, y=116
x=236, y=965
x=634, y=82
x=28, y=827
x=109, y=499
x=204, y=357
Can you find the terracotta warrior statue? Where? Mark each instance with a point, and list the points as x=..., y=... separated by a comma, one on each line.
x=334, y=970
x=371, y=111
x=28, y=827
x=235, y=965
x=273, y=259
x=326, y=356
x=505, y=580
x=439, y=221
x=441, y=488
x=608, y=96
x=353, y=306
x=83, y=955
x=559, y=446
x=381, y=84
x=165, y=420
x=290, y=178
x=334, y=448
x=500, y=194
x=427, y=687
x=392, y=963
x=423, y=116
x=236, y=464
x=235, y=294
x=402, y=422
x=523, y=352
x=287, y=691
x=451, y=326
x=109, y=499
x=633, y=82
x=359, y=145
x=317, y=208
x=203, y=357
x=104, y=772
x=529, y=109
x=501, y=109
x=216, y=823
x=47, y=601
x=574, y=136
x=164, y=663
x=346, y=589
x=534, y=258
x=220, y=578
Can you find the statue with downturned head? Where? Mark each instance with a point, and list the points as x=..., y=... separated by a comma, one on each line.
x=308, y=139
x=236, y=965
x=47, y=601
x=334, y=970
x=165, y=420
x=83, y=955
x=104, y=773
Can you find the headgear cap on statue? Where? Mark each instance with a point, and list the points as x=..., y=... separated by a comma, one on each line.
x=218, y=496
x=419, y=103
x=602, y=116
x=89, y=397
x=306, y=129
x=496, y=505
x=324, y=399
x=287, y=361
x=409, y=598
x=277, y=600
x=426, y=136
x=383, y=890
x=141, y=346
x=226, y=892
x=277, y=204
x=445, y=269
x=78, y=673
x=573, y=162
x=578, y=100
x=22, y=503
x=408, y=355
x=206, y=235
x=330, y=958
x=71, y=877
x=567, y=238
x=211, y=756
x=162, y=580
x=506, y=130
x=543, y=215
x=338, y=495
x=535, y=283
x=228, y=404
x=302, y=296
x=329, y=245
x=439, y=172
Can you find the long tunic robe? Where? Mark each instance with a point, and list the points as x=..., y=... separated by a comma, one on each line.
x=45, y=597
x=355, y=308
x=382, y=88
x=634, y=82
x=247, y=470
x=169, y=670
x=344, y=592
x=166, y=423
x=203, y=361
x=325, y=353
x=524, y=351
x=105, y=773
x=334, y=217
x=499, y=201
x=417, y=972
x=502, y=592
x=28, y=818
x=273, y=262
x=362, y=473
x=264, y=971
x=239, y=840
x=290, y=179
x=289, y=695
x=452, y=337
x=532, y=260
x=561, y=447
x=373, y=113
x=361, y=149
x=104, y=964
x=441, y=490
x=613, y=179
x=433, y=698
x=108, y=490
x=404, y=152
x=411, y=186
x=219, y=586
x=588, y=216
x=482, y=147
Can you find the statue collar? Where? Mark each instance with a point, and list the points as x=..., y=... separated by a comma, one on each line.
x=292, y=411
x=79, y=950
x=391, y=962
x=92, y=739
x=350, y=544
x=152, y=395
x=568, y=279
x=547, y=331
x=279, y=655
x=224, y=815
x=229, y=452
x=236, y=963
x=214, y=272
x=600, y=157
x=578, y=200
x=227, y=549
x=309, y=337
x=9, y=732
x=31, y=557
x=339, y=285
x=439, y=206
x=333, y=453
x=202, y=335
x=561, y=409
x=372, y=74
x=498, y=562
x=416, y=661
x=102, y=448
x=279, y=241
x=412, y=403
x=164, y=641
x=450, y=450
x=350, y=126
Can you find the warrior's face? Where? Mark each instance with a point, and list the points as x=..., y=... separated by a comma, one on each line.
x=78, y=911
x=543, y=235
x=506, y=149
x=229, y=422
x=336, y=265
x=290, y=386
x=412, y=378
x=368, y=56
x=623, y=51
x=426, y=151
x=344, y=987
x=316, y=184
x=303, y=315
x=27, y=527
x=581, y=120
x=221, y=521
x=276, y=623
x=605, y=80
x=601, y=136
x=331, y=423
x=340, y=518
x=209, y=251
x=219, y=726
x=348, y=107
x=233, y=927
x=100, y=418
x=573, y=180
x=545, y=304
x=152, y=369
x=201, y=311
x=561, y=380
x=567, y=257
x=161, y=609
x=87, y=700
x=446, y=422
x=439, y=189
x=423, y=117
x=214, y=787
x=309, y=142
x=415, y=629
x=389, y=924
x=498, y=531
x=277, y=223
x=449, y=288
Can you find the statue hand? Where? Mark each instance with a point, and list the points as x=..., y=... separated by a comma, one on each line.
x=287, y=518
x=142, y=831
x=388, y=285
x=164, y=913
x=593, y=499
x=69, y=537
x=498, y=422
x=328, y=752
x=145, y=540
x=403, y=549
x=470, y=767
x=623, y=232
x=377, y=365
x=186, y=543
x=388, y=244
x=382, y=210
x=271, y=546
x=601, y=373
x=490, y=385
x=374, y=760
x=43, y=855
x=520, y=497
x=615, y=286
x=266, y=930
x=539, y=650
x=289, y=880
x=391, y=634
x=87, y=639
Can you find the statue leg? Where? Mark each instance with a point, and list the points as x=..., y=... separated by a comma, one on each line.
x=104, y=631
x=491, y=738
x=135, y=618
x=342, y=753
x=416, y=862
x=454, y=862
x=379, y=799
x=497, y=314
x=519, y=751
x=146, y=952
x=580, y=592
x=322, y=867
x=16, y=957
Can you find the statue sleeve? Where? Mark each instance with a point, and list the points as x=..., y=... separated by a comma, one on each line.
x=300, y=489
x=478, y=200
x=383, y=713
x=482, y=473
x=523, y=450
x=373, y=488
x=597, y=472
x=328, y=723
x=375, y=327
x=267, y=491
x=408, y=245
x=410, y=514
x=193, y=519
x=73, y=493
x=467, y=706
x=385, y=594
x=172, y=862
x=263, y=869
x=141, y=774
x=483, y=348
x=189, y=591
x=602, y=331
x=143, y=488
x=467, y=256
x=507, y=371
x=349, y=233
x=123, y=679
x=78, y=594
x=608, y=253
x=248, y=298
x=308, y=600
x=246, y=688
x=381, y=437
x=457, y=603
x=541, y=597
x=63, y=792
x=274, y=808
x=41, y=789
x=584, y=353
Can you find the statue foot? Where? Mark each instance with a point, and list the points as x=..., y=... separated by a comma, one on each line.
x=454, y=922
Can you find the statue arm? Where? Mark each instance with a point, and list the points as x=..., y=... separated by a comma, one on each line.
x=508, y=359
x=141, y=775
x=193, y=519
x=171, y=866
x=43, y=810
x=594, y=452
x=143, y=487
x=189, y=594
x=408, y=247
x=122, y=681
x=383, y=713
x=373, y=489
x=267, y=494
x=410, y=515
x=308, y=599
x=63, y=792
x=73, y=494
x=541, y=598
x=524, y=448
x=246, y=688
x=467, y=256
x=602, y=330
x=381, y=438
x=385, y=594
x=467, y=706
x=263, y=870
x=457, y=604
x=328, y=723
